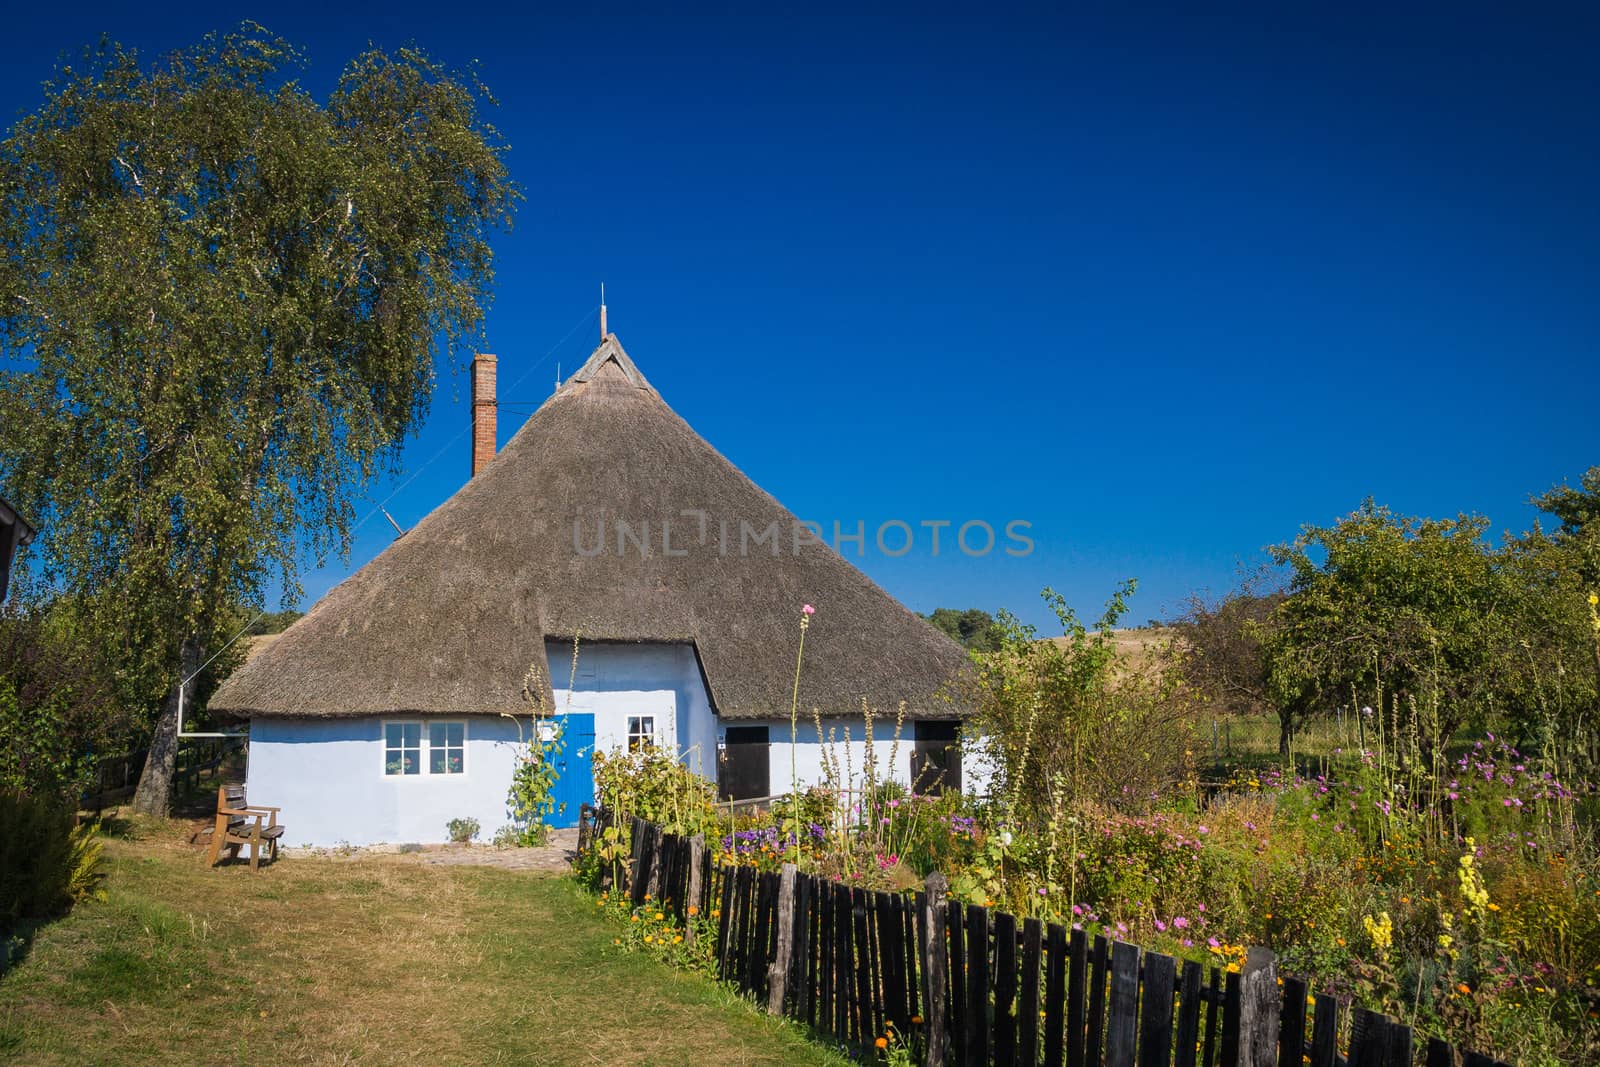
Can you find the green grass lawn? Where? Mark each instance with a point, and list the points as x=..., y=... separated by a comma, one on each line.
x=369, y=960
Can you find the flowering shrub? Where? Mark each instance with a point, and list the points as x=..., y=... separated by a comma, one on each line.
x=652, y=929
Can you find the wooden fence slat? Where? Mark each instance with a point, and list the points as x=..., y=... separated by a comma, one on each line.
x=1155, y=1010
x=1028, y=993
x=1189, y=997
x=1440, y=1054
x=1398, y=1051
x=1208, y=1056
x=805, y=973
x=844, y=1012
x=1228, y=1045
x=1325, y=1031
x=881, y=920
x=1077, y=977
x=935, y=972
x=977, y=1020
x=1058, y=1019
x=1292, y=1023
x=910, y=916
x=891, y=933
x=1366, y=1037
x=1123, y=1014
x=724, y=920
x=1005, y=987
x=1097, y=1001
x=863, y=968
x=1259, y=1009
x=780, y=981
x=956, y=924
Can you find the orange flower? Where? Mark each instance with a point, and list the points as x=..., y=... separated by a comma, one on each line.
x=1463, y=988
x=882, y=1042
x=693, y=910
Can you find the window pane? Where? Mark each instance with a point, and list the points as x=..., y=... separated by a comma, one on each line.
x=458, y=733
x=647, y=725
x=437, y=734
x=391, y=734
x=413, y=734
x=436, y=761
x=413, y=762
x=633, y=724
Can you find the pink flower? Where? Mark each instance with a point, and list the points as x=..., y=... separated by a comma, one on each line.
x=809, y=610
x=1161, y=926
x=1181, y=923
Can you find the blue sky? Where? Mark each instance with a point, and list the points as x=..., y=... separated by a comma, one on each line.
x=1164, y=286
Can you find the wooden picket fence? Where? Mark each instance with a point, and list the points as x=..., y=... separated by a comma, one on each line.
x=975, y=987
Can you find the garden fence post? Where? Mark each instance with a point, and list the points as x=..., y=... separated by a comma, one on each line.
x=778, y=976
x=935, y=971
x=654, y=886
x=697, y=848
x=1259, y=1009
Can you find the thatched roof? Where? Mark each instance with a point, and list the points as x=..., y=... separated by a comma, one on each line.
x=450, y=617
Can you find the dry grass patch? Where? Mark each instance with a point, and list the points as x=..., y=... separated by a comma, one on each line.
x=370, y=961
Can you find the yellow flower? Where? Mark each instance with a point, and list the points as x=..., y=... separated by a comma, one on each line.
x=659, y=916
x=1380, y=930
x=677, y=939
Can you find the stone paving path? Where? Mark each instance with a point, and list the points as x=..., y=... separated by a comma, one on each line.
x=554, y=857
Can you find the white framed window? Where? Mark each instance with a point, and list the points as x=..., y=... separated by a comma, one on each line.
x=641, y=731
x=424, y=749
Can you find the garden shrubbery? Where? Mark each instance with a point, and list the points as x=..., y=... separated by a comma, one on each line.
x=47, y=862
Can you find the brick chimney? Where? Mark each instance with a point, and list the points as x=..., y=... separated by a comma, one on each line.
x=483, y=411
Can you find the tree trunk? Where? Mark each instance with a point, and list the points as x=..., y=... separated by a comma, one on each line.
x=154, y=795
x=1285, y=727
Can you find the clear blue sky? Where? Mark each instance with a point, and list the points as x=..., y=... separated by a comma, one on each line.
x=1165, y=286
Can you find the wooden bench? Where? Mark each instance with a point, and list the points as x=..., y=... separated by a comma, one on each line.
x=240, y=824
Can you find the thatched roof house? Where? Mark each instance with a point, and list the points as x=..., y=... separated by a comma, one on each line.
x=607, y=519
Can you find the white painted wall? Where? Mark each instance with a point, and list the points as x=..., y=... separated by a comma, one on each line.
x=848, y=746
x=327, y=776
x=614, y=681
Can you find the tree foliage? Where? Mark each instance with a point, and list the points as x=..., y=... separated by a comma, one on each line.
x=1071, y=721
x=222, y=304
x=973, y=628
x=1427, y=622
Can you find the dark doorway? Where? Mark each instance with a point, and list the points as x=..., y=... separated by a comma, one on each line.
x=936, y=758
x=744, y=765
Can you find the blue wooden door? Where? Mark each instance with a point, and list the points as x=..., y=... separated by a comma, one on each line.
x=574, y=771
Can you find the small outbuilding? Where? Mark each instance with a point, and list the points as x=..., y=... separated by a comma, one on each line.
x=403, y=698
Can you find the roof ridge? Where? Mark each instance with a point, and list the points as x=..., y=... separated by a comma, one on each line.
x=609, y=350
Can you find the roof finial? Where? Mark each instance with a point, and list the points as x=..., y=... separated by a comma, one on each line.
x=602, y=311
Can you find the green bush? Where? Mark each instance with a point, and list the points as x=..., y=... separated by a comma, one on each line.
x=46, y=863
x=462, y=830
